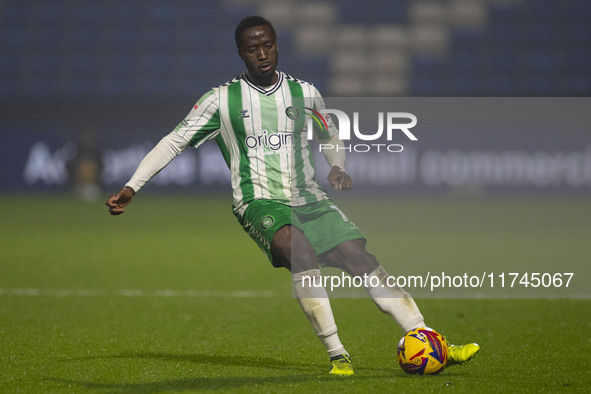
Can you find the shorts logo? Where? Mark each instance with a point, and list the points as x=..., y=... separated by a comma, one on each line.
x=267, y=222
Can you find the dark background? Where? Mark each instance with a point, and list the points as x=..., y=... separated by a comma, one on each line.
x=102, y=77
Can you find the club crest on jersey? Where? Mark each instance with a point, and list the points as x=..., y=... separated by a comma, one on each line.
x=293, y=113
x=244, y=114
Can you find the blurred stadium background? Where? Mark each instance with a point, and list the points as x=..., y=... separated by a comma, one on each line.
x=87, y=87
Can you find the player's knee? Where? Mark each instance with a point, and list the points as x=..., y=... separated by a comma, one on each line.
x=293, y=250
x=352, y=257
x=362, y=263
x=303, y=256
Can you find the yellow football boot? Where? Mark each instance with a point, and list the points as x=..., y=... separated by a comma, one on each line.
x=341, y=365
x=457, y=355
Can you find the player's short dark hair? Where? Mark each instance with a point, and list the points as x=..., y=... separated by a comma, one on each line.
x=247, y=23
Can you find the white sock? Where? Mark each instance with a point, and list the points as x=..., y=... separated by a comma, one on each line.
x=394, y=301
x=315, y=304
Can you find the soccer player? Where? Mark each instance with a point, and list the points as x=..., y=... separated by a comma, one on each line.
x=258, y=122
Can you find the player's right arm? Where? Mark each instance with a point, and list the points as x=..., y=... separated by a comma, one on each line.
x=200, y=125
x=163, y=153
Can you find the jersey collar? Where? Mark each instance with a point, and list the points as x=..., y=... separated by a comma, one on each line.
x=266, y=90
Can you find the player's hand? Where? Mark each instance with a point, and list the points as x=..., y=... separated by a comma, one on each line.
x=119, y=200
x=339, y=179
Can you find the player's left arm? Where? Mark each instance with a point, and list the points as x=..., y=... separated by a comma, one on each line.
x=334, y=153
x=333, y=148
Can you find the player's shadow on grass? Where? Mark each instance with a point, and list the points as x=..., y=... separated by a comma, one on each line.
x=216, y=359
x=199, y=383
x=221, y=360
x=300, y=372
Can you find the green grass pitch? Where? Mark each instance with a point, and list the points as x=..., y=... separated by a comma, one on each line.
x=173, y=297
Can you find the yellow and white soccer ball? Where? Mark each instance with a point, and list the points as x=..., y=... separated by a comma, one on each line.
x=422, y=351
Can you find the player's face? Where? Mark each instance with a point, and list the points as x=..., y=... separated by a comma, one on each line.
x=258, y=49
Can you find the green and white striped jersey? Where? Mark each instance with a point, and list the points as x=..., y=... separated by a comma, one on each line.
x=262, y=134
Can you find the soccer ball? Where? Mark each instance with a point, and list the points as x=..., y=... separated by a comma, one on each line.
x=422, y=351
